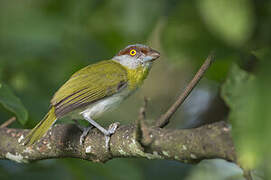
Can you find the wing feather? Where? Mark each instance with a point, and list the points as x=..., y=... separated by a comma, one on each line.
x=89, y=85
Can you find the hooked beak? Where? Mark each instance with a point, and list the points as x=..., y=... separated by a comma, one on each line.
x=152, y=56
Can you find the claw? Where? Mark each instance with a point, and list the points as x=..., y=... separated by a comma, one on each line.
x=111, y=130
x=113, y=127
x=84, y=134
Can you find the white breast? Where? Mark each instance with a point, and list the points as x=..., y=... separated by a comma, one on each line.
x=96, y=109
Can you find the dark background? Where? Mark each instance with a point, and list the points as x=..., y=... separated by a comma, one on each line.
x=43, y=42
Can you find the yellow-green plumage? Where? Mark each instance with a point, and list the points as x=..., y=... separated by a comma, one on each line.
x=96, y=88
x=136, y=76
x=37, y=132
x=88, y=85
x=94, y=79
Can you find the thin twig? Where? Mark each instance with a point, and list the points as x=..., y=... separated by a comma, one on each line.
x=8, y=122
x=142, y=111
x=144, y=139
x=164, y=119
x=141, y=118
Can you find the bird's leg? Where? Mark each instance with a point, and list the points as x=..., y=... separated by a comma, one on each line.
x=84, y=130
x=111, y=130
x=84, y=134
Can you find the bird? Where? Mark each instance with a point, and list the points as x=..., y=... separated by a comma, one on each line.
x=97, y=88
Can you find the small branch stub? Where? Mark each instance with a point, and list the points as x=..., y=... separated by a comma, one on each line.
x=8, y=122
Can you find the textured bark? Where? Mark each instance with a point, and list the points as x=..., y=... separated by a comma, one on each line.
x=185, y=145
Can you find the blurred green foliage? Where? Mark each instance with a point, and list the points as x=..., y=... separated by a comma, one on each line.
x=249, y=98
x=220, y=15
x=12, y=103
x=43, y=42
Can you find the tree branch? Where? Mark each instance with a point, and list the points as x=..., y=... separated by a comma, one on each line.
x=188, y=145
x=164, y=119
x=135, y=140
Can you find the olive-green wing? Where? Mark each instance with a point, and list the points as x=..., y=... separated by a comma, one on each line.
x=89, y=85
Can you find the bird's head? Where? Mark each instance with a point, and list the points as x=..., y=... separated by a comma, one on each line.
x=138, y=55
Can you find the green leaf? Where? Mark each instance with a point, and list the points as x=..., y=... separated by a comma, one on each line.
x=232, y=89
x=231, y=20
x=263, y=53
x=248, y=97
x=237, y=91
x=12, y=103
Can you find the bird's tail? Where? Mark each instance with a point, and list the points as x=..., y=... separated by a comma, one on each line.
x=37, y=132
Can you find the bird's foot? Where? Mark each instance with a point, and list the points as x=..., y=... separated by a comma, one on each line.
x=84, y=130
x=111, y=130
x=84, y=134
